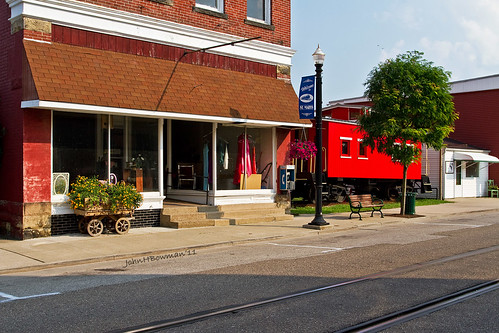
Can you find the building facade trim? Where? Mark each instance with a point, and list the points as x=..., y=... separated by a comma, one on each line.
x=99, y=19
x=84, y=108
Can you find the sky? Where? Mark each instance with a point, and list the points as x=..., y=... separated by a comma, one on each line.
x=462, y=36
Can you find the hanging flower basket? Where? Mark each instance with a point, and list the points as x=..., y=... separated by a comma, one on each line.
x=302, y=149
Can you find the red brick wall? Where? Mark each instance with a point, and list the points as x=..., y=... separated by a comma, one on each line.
x=481, y=109
x=182, y=12
x=11, y=173
x=36, y=150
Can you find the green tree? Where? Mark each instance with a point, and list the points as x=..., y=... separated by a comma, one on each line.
x=411, y=104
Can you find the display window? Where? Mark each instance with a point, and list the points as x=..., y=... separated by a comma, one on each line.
x=244, y=158
x=81, y=147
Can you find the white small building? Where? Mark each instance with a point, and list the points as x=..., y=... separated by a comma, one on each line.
x=458, y=170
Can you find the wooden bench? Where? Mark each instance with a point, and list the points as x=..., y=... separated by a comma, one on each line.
x=360, y=202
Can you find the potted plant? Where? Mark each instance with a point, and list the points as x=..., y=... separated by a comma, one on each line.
x=302, y=149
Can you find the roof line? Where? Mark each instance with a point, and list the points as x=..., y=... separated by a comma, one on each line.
x=96, y=109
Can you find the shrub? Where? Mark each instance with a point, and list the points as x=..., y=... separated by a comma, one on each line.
x=91, y=193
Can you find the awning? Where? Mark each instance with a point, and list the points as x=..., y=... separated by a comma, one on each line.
x=476, y=157
x=73, y=76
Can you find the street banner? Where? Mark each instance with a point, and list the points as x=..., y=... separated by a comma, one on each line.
x=306, y=97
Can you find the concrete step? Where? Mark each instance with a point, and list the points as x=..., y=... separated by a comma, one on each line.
x=254, y=207
x=259, y=219
x=177, y=210
x=194, y=223
x=185, y=217
x=250, y=213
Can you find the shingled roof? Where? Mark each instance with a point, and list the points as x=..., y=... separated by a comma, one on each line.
x=72, y=74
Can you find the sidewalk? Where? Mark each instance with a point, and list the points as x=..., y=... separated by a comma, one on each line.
x=76, y=248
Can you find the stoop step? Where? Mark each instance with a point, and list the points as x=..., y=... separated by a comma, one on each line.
x=178, y=216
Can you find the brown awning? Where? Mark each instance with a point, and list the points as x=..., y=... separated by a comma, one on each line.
x=71, y=74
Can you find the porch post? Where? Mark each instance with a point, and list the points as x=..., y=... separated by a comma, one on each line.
x=274, y=159
x=161, y=169
x=214, y=162
x=169, y=153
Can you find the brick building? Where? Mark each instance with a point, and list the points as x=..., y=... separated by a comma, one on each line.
x=92, y=87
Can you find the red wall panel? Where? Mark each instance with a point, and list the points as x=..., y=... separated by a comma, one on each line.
x=375, y=166
x=478, y=123
x=36, y=151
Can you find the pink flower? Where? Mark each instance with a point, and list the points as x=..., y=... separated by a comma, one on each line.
x=302, y=149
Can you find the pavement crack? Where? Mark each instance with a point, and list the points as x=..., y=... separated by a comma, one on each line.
x=23, y=255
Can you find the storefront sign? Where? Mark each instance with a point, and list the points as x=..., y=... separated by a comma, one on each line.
x=306, y=97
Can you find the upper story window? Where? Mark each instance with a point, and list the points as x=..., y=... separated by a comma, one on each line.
x=215, y=5
x=259, y=10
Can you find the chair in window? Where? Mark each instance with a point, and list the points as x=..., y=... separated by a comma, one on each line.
x=186, y=175
x=493, y=189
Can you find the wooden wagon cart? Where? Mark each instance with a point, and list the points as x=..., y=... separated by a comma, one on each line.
x=93, y=222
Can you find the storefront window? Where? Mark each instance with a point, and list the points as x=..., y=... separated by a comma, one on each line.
x=81, y=141
x=74, y=144
x=244, y=158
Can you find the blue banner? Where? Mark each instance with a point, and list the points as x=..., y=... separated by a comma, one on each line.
x=306, y=97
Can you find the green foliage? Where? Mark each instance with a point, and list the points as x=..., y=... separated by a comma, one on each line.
x=123, y=195
x=91, y=193
x=411, y=104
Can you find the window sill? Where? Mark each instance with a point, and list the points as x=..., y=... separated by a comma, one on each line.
x=345, y=156
x=259, y=24
x=164, y=2
x=210, y=12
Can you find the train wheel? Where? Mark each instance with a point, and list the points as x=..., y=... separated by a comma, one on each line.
x=341, y=197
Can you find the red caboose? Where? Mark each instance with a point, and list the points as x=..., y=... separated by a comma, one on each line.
x=348, y=164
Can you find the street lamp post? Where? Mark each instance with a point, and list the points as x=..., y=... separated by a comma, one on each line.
x=319, y=61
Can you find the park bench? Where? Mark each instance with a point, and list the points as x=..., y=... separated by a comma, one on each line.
x=359, y=202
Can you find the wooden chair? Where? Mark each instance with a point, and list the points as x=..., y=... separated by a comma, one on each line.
x=492, y=188
x=186, y=174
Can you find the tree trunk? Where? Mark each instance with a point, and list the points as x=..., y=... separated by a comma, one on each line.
x=404, y=191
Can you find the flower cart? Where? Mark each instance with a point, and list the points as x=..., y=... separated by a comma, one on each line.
x=94, y=221
x=102, y=205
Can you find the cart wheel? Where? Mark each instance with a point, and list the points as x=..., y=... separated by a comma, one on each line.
x=122, y=225
x=82, y=226
x=95, y=227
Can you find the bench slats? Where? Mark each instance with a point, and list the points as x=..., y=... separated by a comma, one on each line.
x=364, y=201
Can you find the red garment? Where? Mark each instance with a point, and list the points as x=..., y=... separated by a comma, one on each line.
x=243, y=159
x=253, y=165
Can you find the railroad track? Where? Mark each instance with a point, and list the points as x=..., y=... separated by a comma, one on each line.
x=373, y=325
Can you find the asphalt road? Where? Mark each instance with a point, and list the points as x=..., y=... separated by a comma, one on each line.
x=138, y=291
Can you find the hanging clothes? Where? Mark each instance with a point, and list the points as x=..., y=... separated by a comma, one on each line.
x=243, y=162
x=226, y=157
x=253, y=157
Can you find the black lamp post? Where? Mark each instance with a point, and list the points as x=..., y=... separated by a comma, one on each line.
x=319, y=61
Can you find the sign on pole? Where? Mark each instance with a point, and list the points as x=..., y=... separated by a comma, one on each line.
x=306, y=97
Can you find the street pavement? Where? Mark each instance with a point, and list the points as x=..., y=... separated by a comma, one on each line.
x=73, y=249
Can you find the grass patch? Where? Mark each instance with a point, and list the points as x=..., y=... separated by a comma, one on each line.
x=344, y=208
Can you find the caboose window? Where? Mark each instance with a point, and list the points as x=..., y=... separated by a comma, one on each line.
x=362, y=149
x=345, y=147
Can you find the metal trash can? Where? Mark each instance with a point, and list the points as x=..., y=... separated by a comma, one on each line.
x=410, y=203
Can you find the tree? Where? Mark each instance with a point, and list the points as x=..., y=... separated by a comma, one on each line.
x=411, y=104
